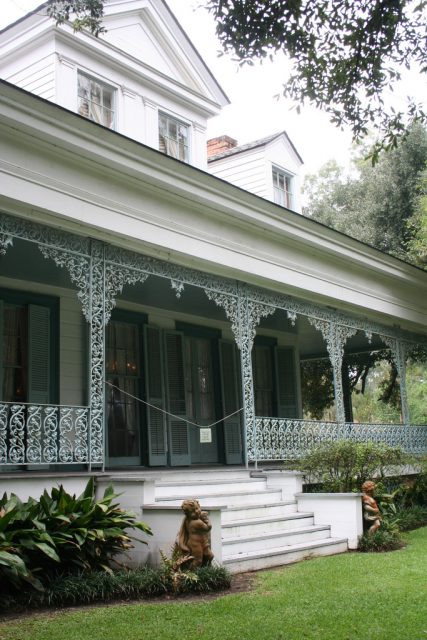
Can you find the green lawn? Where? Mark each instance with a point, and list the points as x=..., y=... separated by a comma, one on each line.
x=346, y=597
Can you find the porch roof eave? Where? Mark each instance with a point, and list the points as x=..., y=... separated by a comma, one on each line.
x=266, y=238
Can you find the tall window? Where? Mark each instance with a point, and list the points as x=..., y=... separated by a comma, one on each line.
x=282, y=188
x=96, y=101
x=14, y=387
x=123, y=371
x=173, y=137
x=28, y=347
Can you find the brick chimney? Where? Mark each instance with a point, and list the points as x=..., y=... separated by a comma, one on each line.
x=220, y=144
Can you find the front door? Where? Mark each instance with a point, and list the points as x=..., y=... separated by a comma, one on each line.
x=123, y=370
x=200, y=399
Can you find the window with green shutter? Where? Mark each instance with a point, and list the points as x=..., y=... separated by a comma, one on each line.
x=29, y=348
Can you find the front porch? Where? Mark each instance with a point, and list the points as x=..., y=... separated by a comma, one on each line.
x=183, y=366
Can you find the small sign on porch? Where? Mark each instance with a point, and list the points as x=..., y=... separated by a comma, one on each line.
x=206, y=435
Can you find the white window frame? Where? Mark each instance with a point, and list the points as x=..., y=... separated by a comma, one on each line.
x=283, y=183
x=170, y=145
x=92, y=110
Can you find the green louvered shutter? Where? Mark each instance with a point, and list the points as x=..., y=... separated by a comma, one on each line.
x=179, y=440
x=38, y=354
x=287, y=400
x=155, y=394
x=231, y=402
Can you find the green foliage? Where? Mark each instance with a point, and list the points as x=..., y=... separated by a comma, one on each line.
x=97, y=586
x=372, y=382
x=410, y=492
x=60, y=533
x=176, y=571
x=344, y=465
x=381, y=540
x=345, y=53
x=179, y=578
x=85, y=14
x=412, y=517
x=418, y=224
x=317, y=388
x=387, y=537
x=416, y=386
x=374, y=204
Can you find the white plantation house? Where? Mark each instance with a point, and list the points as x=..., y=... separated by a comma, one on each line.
x=154, y=316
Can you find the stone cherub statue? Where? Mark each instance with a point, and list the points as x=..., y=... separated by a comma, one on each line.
x=371, y=512
x=194, y=537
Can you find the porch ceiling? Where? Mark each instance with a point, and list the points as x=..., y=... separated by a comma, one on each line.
x=24, y=261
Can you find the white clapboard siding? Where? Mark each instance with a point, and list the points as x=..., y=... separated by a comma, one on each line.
x=38, y=76
x=245, y=170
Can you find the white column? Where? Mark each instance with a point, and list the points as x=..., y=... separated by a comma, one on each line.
x=66, y=83
x=131, y=115
x=151, y=124
x=199, y=152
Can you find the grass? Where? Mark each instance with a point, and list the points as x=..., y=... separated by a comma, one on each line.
x=353, y=596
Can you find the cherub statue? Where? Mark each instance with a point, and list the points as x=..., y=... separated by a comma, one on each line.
x=371, y=512
x=194, y=535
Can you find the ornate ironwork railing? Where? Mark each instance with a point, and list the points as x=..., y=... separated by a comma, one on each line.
x=43, y=434
x=287, y=439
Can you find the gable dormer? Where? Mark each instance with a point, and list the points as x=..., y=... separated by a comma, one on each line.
x=269, y=167
x=142, y=78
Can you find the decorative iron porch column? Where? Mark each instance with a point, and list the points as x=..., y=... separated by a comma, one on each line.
x=96, y=313
x=244, y=341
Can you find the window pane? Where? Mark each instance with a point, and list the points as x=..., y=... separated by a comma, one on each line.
x=14, y=354
x=95, y=101
x=123, y=409
x=173, y=137
x=282, y=185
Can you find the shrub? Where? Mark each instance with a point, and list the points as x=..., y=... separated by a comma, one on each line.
x=60, y=533
x=412, y=517
x=344, y=465
x=381, y=540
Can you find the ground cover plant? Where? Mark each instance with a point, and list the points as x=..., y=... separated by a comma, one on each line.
x=124, y=584
x=351, y=596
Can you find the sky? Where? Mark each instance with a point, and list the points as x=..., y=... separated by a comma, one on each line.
x=254, y=111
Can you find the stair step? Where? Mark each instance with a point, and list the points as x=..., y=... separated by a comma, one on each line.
x=272, y=540
x=273, y=523
x=253, y=511
x=190, y=488
x=254, y=560
x=236, y=498
x=204, y=475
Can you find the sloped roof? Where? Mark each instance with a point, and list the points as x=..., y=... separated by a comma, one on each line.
x=262, y=142
x=191, y=51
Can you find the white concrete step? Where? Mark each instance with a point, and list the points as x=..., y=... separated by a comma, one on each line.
x=273, y=557
x=273, y=540
x=189, y=488
x=253, y=511
x=269, y=524
x=203, y=475
x=237, y=498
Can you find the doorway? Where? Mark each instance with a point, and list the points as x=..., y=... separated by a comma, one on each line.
x=200, y=399
x=124, y=371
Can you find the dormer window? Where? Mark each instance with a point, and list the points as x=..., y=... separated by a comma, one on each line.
x=282, y=188
x=96, y=101
x=173, y=137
